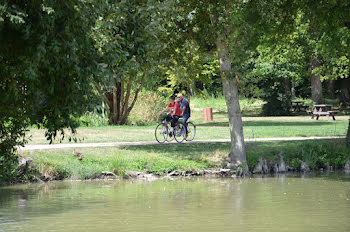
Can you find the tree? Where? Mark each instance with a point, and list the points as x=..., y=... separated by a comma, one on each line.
x=46, y=61
x=329, y=33
x=193, y=21
x=228, y=28
x=186, y=66
x=281, y=66
x=125, y=38
x=314, y=41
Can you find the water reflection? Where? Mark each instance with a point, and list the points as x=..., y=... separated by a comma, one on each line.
x=312, y=202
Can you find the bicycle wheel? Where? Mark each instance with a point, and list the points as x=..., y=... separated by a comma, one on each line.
x=179, y=132
x=161, y=133
x=170, y=134
x=191, y=131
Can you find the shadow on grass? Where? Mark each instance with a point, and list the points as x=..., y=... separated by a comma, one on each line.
x=267, y=123
x=181, y=149
x=188, y=149
x=255, y=149
x=246, y=113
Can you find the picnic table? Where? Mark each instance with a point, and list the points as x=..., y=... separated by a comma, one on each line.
x=323, y=109
x=298, y=106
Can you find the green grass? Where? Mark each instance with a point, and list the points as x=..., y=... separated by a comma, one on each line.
x=162, y=159
x=219, y=104
x=60, y=164
x=315, y=153
x=253, y=127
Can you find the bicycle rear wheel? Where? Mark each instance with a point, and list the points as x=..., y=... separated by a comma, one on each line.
x=161, y=133
x=179, y=132
x=191, y=131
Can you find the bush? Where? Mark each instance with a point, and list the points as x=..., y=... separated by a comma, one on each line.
x=146, y=109
x=12, y=131
x=53, y=170
x=92, y=119
x=277, y=97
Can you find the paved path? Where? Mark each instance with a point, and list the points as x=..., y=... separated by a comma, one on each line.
x=79, y=145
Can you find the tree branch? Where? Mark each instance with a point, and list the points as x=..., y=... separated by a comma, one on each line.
x=137, y=92
x=121, y=96
x=102, y=94
x=125, y=106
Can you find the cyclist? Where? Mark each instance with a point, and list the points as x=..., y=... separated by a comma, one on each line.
x=185, y=109
x=175, y=111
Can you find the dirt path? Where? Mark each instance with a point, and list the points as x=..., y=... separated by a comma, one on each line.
x=79, y=145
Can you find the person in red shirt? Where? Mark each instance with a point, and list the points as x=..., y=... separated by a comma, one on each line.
x=175, y=111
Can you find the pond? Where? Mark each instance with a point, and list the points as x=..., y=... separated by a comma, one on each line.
x=316, y=202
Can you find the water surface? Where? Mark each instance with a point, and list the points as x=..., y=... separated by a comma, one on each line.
x=294, y=203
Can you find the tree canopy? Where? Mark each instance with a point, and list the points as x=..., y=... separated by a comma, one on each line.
x=55, y=55
x=46, y=62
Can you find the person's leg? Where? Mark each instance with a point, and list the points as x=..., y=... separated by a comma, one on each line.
x=184, y=120
x=174, y=121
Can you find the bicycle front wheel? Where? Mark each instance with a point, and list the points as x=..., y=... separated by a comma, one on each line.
x=191, y=131
x=180, y=132
x=161, y=133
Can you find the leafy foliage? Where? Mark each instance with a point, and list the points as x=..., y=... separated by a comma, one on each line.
x=125, y=36
x=46, y=61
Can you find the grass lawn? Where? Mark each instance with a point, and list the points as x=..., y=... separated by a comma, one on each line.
x=253, y=127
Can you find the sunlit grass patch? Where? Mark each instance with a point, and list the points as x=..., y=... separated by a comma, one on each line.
x=61, y=164
x=219, y=104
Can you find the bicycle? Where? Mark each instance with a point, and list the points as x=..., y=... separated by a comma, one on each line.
x=191, y=131
x=164, y=133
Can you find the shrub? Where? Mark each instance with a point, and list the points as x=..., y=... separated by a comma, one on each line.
x=53, y=170
x=88, y=172
x=12, y=131
x=92, y=119
x=146, y=109
x=278, y=99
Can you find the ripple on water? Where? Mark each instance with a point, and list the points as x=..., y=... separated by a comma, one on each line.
x=282, y=203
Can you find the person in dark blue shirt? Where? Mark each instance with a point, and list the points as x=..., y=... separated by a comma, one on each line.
x=185, y=109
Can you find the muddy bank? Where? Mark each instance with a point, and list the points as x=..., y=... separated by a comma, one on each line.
x=27, y=172
x=215, y=172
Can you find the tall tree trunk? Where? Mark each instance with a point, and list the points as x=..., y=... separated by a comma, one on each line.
x=331, y=88
x=316, y=85
x=344, y=95
x=348, y=135
x=127, y=96
x=293, y=88
x=237, y=154
x=136, y=93
x=119, y=98
x=288, y=90
x=114, y=115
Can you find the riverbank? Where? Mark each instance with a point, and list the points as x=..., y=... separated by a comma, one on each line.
x=179, y=159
